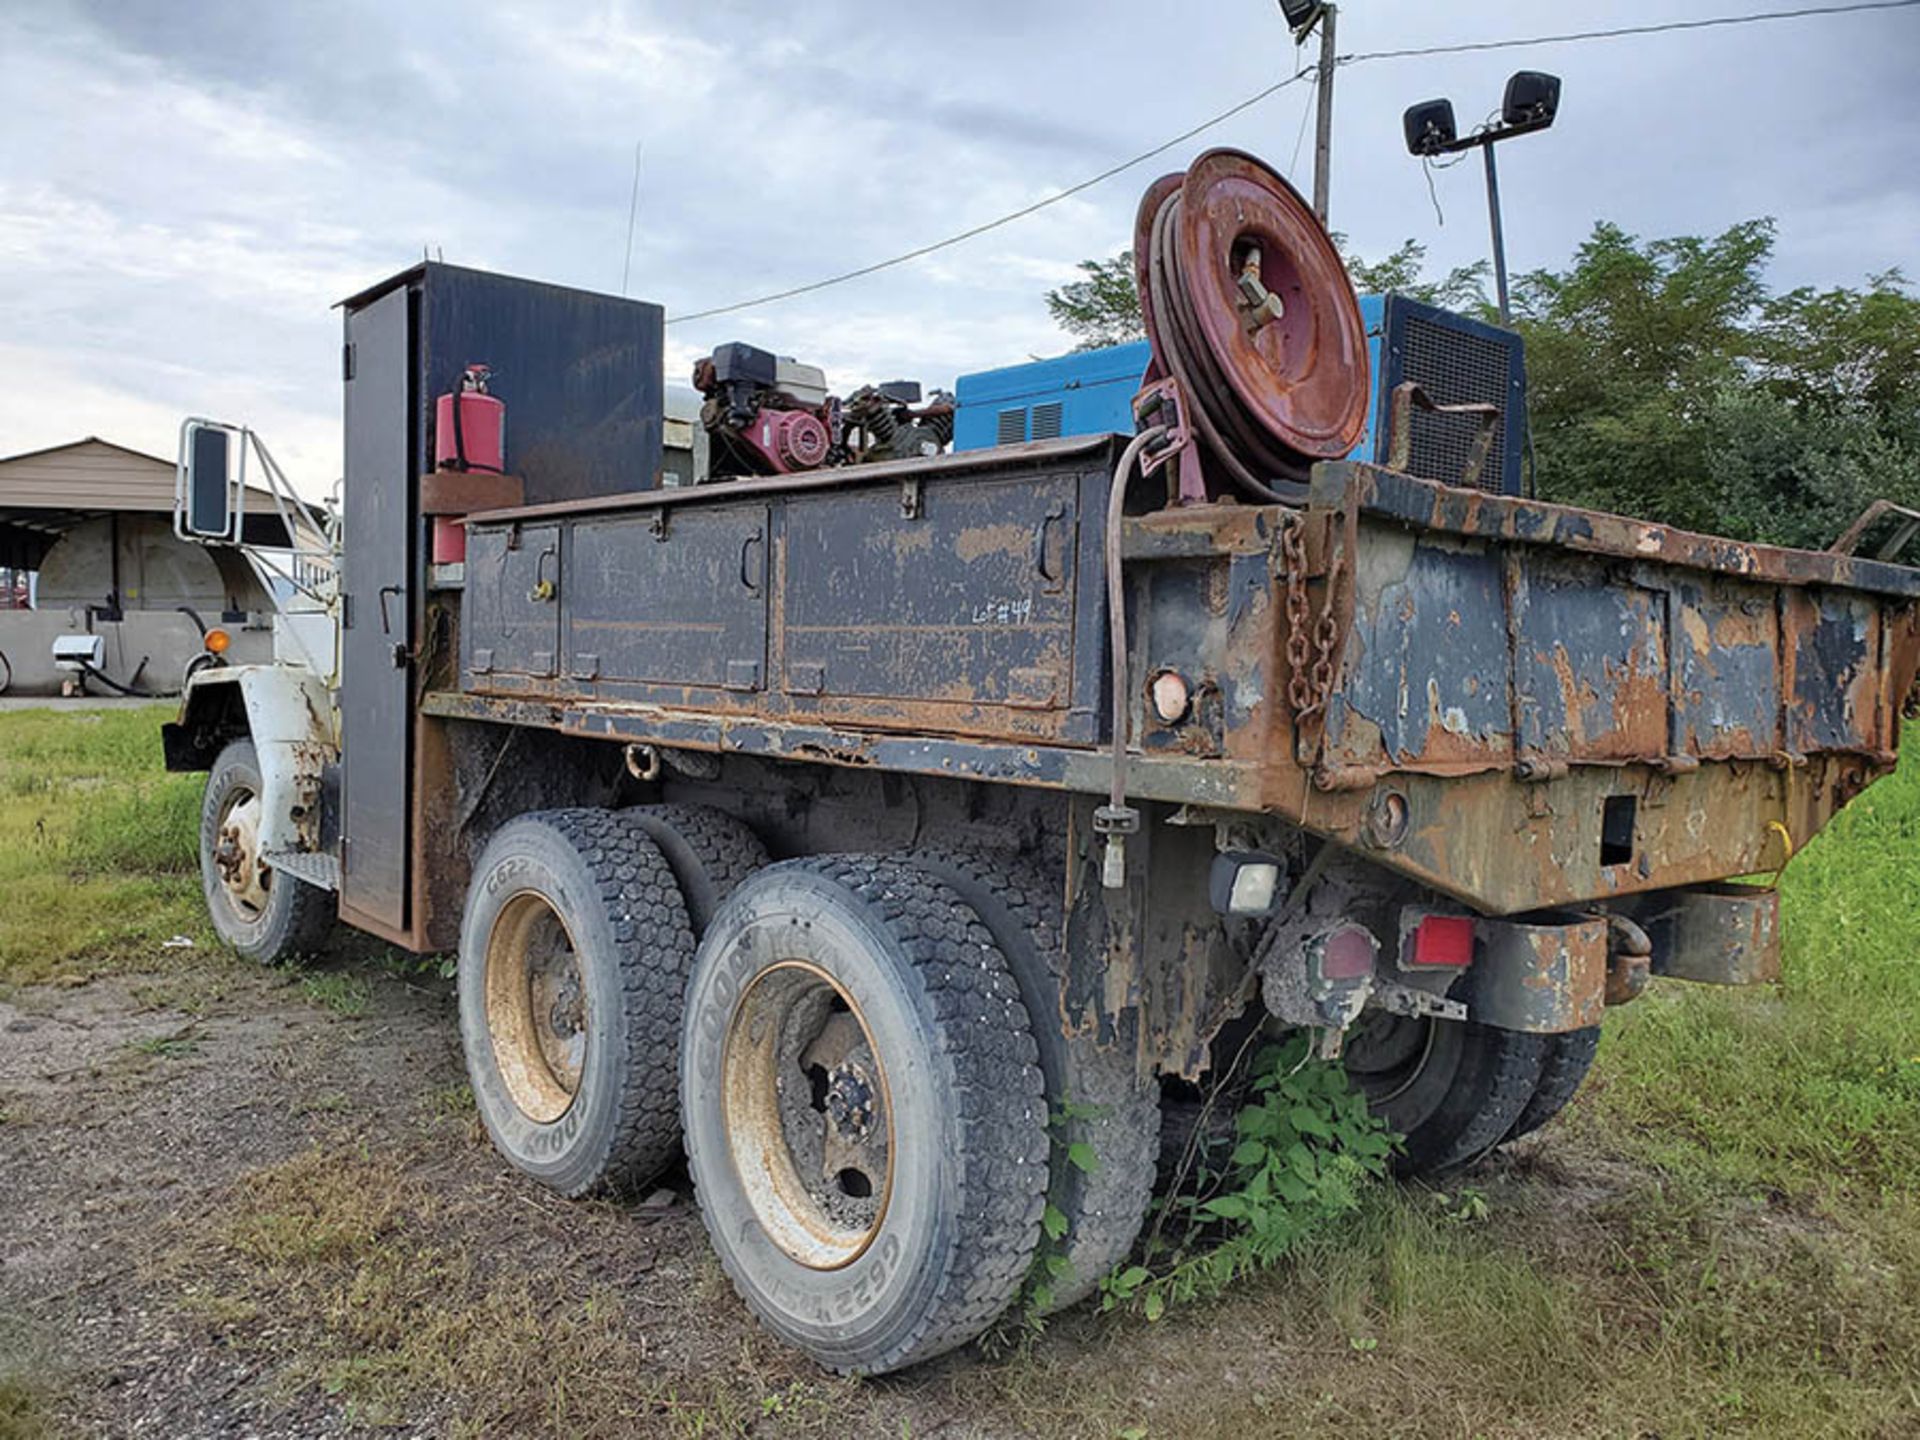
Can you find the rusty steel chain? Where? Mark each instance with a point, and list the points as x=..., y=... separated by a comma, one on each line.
x=1325, y=634
x=1293, y=553
x=1310, y=641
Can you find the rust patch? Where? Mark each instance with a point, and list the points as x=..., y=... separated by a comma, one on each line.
x=976, y=541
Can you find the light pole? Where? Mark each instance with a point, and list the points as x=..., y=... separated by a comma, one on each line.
x=1531, y=101
x=1303, y=16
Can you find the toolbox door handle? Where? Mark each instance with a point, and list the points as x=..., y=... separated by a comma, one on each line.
x=749, y=573
x=1050, y=582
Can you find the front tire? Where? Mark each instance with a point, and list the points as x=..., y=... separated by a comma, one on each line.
x=864, y=1112
x=574, y=952
x=265, y=914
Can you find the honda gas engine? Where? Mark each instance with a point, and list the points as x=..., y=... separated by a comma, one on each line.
x=767, y=414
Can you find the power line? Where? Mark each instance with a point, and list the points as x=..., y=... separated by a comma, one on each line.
x=1661, y=28
x=1021, y=214
x=1306, y=114
x=1756, y=18
x=633, y=212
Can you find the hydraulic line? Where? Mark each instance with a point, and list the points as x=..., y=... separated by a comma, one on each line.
x=112, y=684
x=1117, y=813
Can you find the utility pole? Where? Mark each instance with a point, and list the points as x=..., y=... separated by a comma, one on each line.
x=1302, y=16
x=1323, y=131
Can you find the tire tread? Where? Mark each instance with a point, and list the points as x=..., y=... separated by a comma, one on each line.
x=714, y=853
x=653, y=941
x=1104, y=1209
x=1569, y=1057
x=1001, y=1177
x=1509, y=1071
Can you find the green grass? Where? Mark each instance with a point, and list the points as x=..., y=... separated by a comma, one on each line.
x=97, y=846
x=1658, y=1313
x=22, y=1413
x=1721, y=1237
x=1811, y=1089
x=25, y=1393
x=341, y=991
x=170, y=1046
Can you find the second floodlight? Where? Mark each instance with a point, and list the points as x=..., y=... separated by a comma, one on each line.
x=1531, y=101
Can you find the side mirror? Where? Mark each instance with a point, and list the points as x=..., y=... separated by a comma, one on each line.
x=207, y=501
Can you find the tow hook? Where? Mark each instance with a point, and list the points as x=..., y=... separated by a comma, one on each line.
x=1629, y=960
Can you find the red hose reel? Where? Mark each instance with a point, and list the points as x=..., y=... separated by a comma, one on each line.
x=1251, y=313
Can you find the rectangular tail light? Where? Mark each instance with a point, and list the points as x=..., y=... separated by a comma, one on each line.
x=1439, y=942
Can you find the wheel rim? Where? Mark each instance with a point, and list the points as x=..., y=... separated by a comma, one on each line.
x=537, y=1011
x=1403, y=1064
x=808, y=1119
x=245, y=880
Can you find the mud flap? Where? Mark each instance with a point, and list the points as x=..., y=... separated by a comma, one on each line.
x=1543, y=978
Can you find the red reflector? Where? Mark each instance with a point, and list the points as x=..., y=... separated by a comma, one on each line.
x=1444, y=940
x=1347, y=954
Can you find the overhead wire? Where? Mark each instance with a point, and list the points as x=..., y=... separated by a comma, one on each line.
x=1053, y=199
x=1306, y=114
x=1662, y=27
x=1305, y=72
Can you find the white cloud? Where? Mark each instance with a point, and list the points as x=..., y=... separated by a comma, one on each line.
x=179, y=206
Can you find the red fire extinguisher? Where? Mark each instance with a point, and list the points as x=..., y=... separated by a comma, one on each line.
x=469, y=433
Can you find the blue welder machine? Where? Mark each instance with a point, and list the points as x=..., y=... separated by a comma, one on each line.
x=1456, y=360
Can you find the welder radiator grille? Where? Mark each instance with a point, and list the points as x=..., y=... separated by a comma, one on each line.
x=1456, y=366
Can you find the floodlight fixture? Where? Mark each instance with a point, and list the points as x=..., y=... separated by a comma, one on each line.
x=1430, y=127
x=1531, y=101
x=1301, y=16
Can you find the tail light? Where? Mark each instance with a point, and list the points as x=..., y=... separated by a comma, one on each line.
x=1436, y=942
x=1344, y=955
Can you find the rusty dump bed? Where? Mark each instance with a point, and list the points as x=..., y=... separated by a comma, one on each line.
x=1520, y=704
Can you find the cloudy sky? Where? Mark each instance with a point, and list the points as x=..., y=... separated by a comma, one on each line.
x=185, y=188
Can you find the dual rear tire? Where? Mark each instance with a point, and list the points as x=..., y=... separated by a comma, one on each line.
x=574, y=952
x=866, y=1120
x=849, y=1055
x=1455, y=1089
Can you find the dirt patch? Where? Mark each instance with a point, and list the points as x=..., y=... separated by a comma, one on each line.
x=256, y=1216
x=124, y=1121
x=234, y=1210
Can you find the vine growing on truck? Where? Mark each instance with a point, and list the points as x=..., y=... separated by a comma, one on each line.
x=1305, y=1147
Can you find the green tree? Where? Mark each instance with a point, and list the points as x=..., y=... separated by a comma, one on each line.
x=1104, y=308
x=1847, y=349
x=1463, y=288
x=1665, y=381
